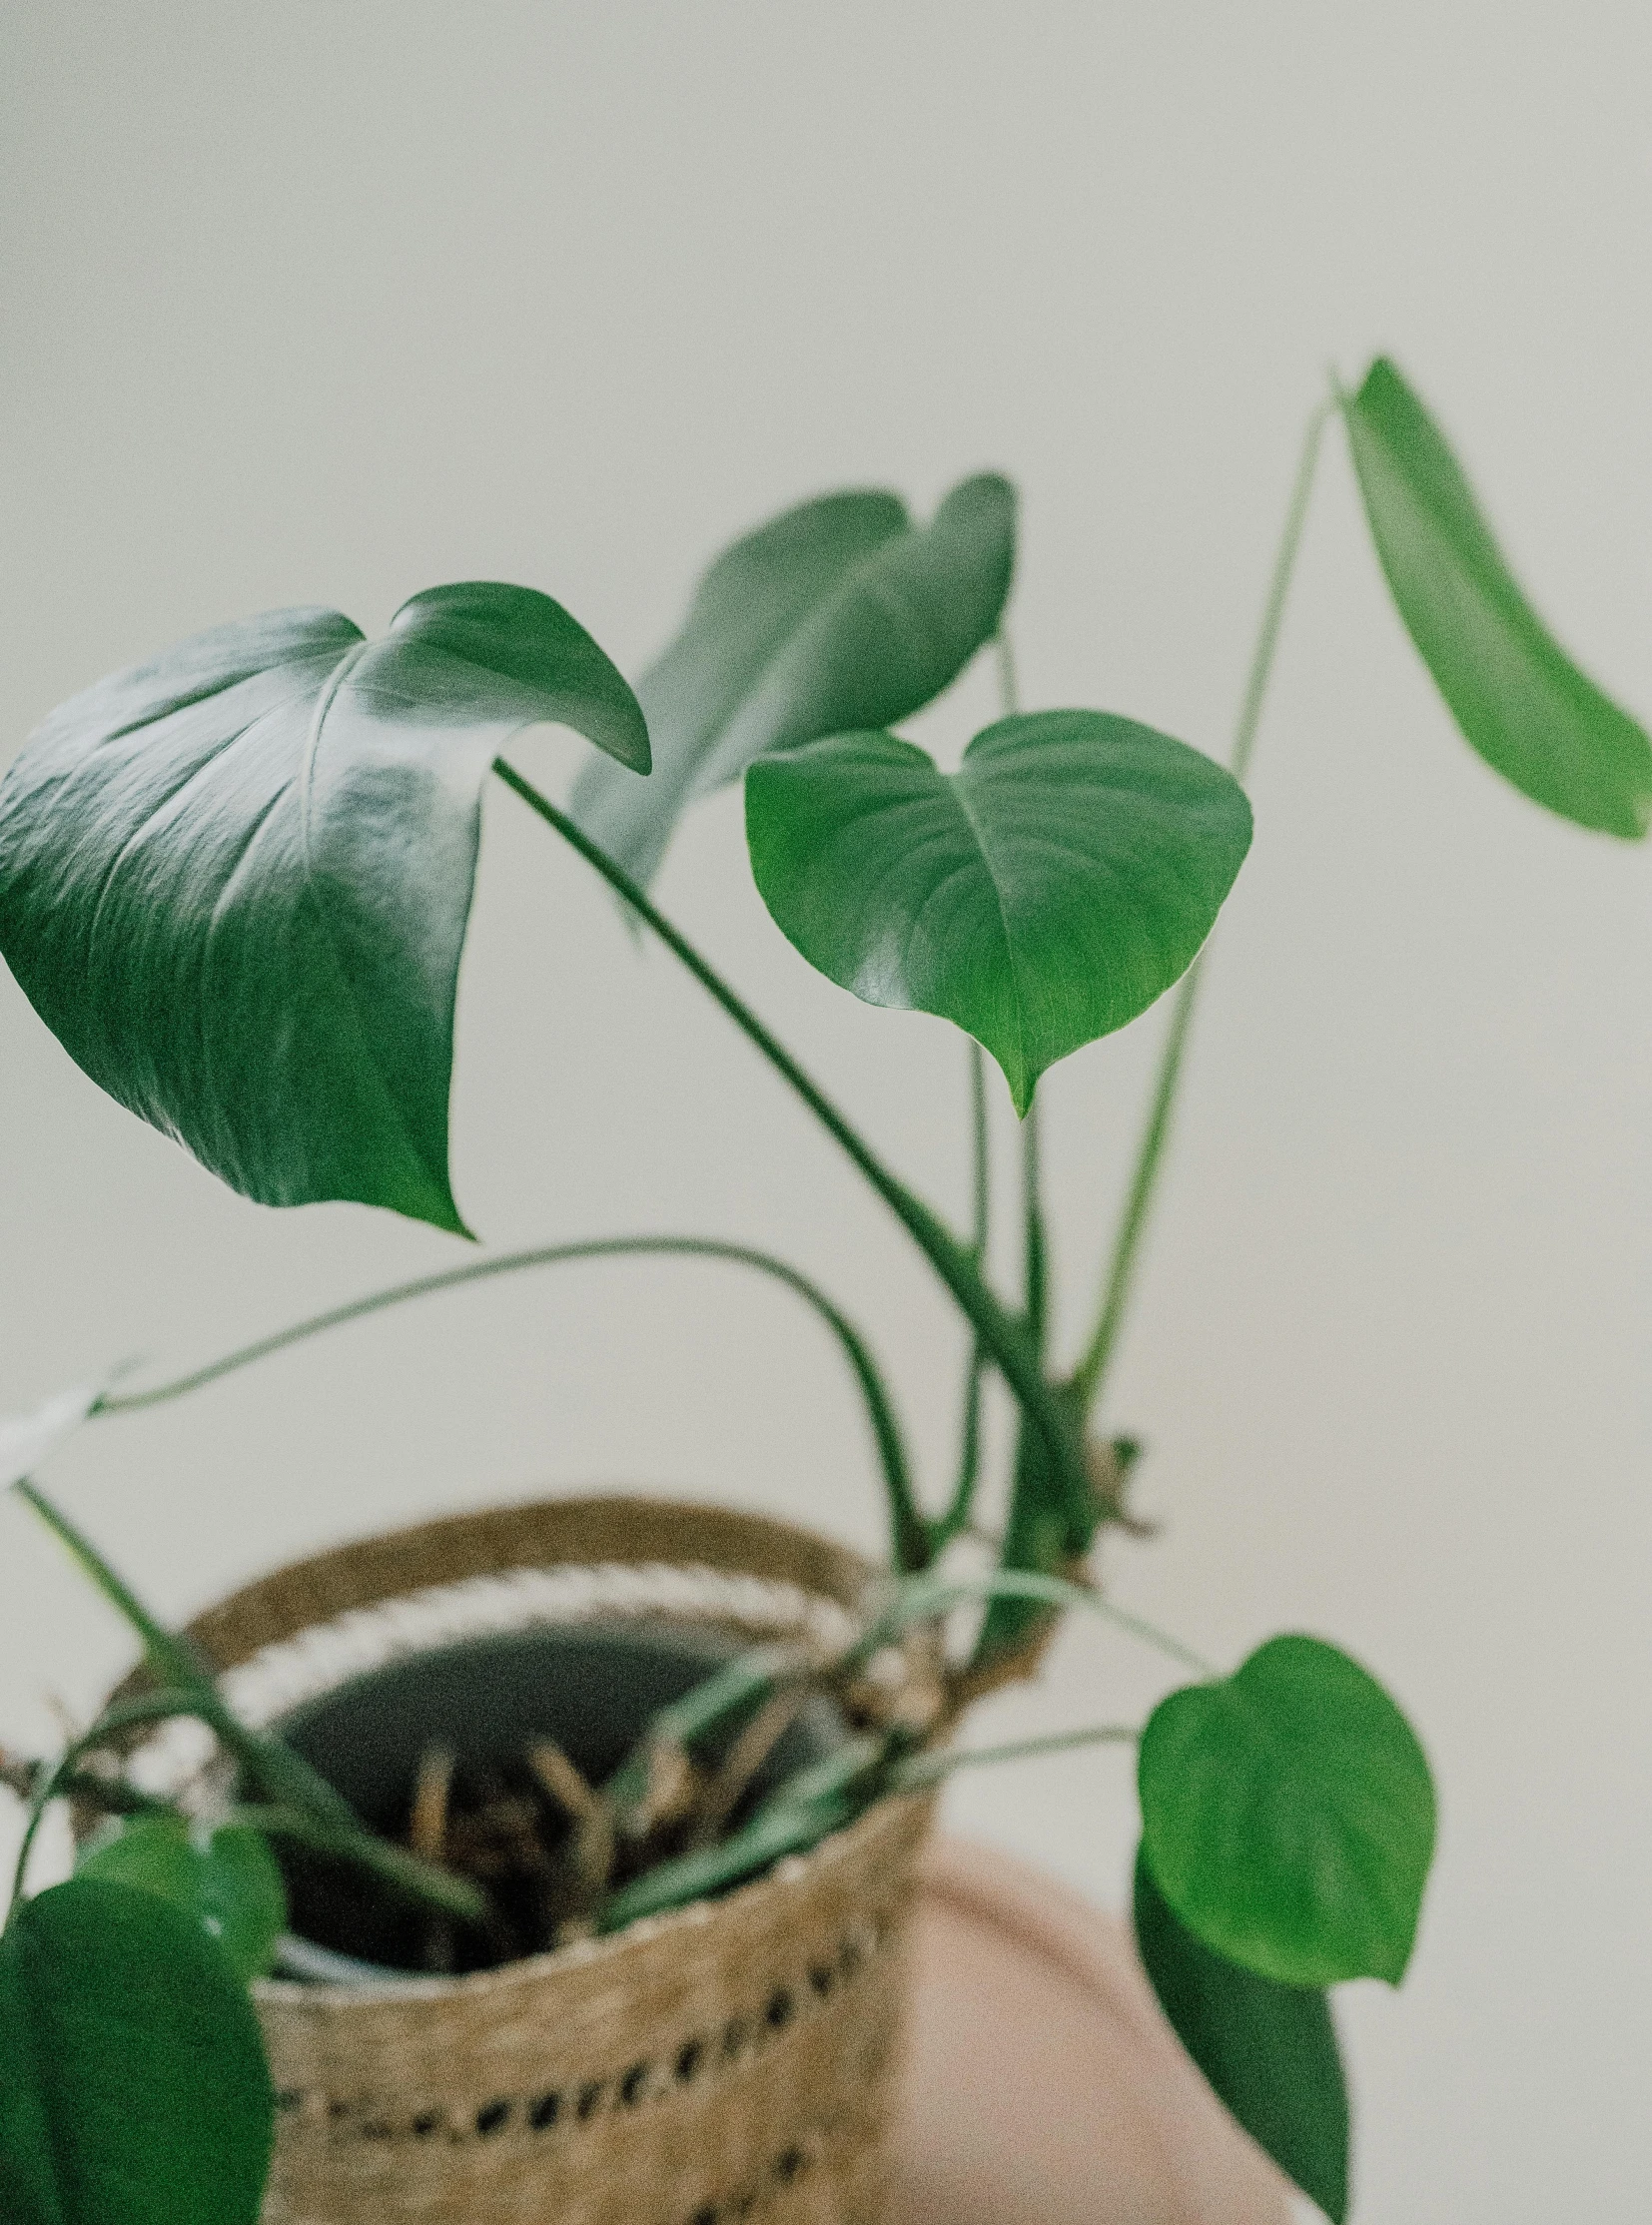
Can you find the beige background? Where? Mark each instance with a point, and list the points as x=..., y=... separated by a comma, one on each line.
x=309, y=302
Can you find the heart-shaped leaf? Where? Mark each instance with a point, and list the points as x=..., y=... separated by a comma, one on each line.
x=132, y=2086
x=1288, y=1815
x=235, y=881
x=1517, y=696
x=225, y=1877
x=1040, y=897
x=1268, y=2051
x=841, y=614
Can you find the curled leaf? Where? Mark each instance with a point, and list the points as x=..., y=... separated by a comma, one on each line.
x=839, y=613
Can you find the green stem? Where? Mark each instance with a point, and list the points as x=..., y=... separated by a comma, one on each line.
x=926, y=1598
x=957, y=1514
x=1036, y=1267
x=910, y=1529
x=282, y=1774
x=1003, y=1335
x=1091, y=1370
x=928, y=1769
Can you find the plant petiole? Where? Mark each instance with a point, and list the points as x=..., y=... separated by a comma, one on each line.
x=1004, y=1337
x=1090, y=1375
x=915, y=1770
x=907, y=1522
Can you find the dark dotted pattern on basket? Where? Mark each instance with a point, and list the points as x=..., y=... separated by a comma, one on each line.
x=527, y=2115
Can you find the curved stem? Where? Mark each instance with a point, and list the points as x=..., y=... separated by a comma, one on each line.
x=910, y=1529
x=1089, y=1375
x=1004, y=1337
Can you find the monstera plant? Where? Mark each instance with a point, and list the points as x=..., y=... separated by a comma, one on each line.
x=234, y=883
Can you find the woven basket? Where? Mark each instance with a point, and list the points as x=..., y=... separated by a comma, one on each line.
x=729, y=2060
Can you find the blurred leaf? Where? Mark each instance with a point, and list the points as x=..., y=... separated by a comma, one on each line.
x=1268, y=2051
x=1513, y=689
x=227, y=1879
x=1041, y=896
x=1288, y=1815
x=28, y=1439
x=235, y=881
x=840, y=613
x=132, y=2086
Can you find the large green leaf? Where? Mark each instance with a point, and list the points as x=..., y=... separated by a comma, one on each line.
x=225, y=1877
x=132, y=2086
x=1040, y=897
x=1517, y=696
x=235, y=881
x=1268, y=2051
x=1288, y=1815
x=840, y=613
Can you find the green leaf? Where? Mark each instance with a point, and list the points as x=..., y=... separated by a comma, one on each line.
x=1268, y=2051
x=1041, y=896
x=226, y=1879
x=132, y=2086
x=1288, y=1815
x=840, y=613
x=1517, y=696
x=235, y=881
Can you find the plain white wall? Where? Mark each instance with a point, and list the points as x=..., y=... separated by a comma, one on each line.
x=312, y=302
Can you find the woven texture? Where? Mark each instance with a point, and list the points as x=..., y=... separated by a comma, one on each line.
x=726, y=2062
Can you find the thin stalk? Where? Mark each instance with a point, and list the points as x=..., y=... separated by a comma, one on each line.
x=280, y=1771
x=911, y=1535
x=928, y=1769
x=1091, y=1370
x=1003, y=1335
x=926, y=1598
x=1036, y=1241
x=959, y=1506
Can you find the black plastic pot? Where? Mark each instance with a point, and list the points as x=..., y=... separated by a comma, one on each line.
x=590, y=1687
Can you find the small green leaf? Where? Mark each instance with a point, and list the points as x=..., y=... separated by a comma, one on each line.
x=227, y=1879
x=1288, y=1815
x=1517, y=696
x=1268, y=2051
x=132, y=2086
x=1041, y=896
x=840, y=613
x=235, y=881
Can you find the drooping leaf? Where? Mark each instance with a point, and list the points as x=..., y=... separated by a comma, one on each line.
x=1288, y=1815
x=1040, y=897
x=1268, y=2051
x=1516, y=695
x=235, y=881
x=133, y=2085
x=225, y=1877
x=840, y=613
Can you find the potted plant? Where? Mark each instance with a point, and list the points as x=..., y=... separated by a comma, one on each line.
x=234, y=883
